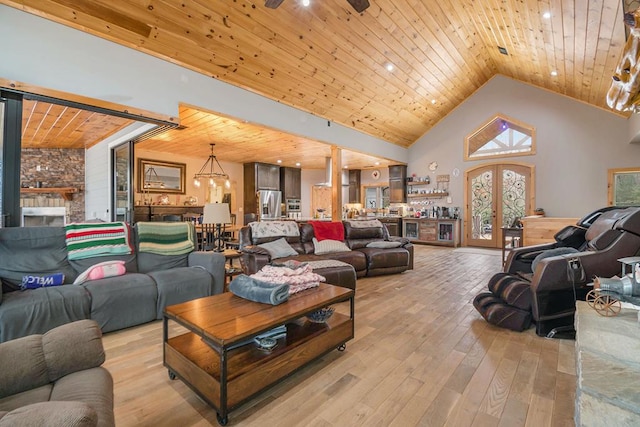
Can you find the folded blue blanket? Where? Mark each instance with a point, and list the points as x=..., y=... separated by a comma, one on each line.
x=256, y=290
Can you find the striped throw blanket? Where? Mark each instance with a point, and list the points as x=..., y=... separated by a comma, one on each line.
x=165, y=238
x=87, y=240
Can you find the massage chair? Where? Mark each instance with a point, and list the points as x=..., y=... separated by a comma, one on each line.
x=540, y=284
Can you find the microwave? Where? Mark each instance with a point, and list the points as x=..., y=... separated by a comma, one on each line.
x=293, y=205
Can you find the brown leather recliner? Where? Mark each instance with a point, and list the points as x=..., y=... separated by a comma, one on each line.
x=366, y=261
x=558, y=280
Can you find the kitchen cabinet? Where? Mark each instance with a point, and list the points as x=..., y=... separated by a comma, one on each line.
x=394, y=225
x=433, y=231
x=398, y=184
x=291, y=183
x=258, y=176
x=267, y=177
x=354, y=186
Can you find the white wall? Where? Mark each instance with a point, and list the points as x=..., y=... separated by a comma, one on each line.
x=576, y=144
x=79, y=63
x=97, y=198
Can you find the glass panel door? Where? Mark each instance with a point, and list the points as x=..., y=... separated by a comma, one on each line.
x=122, y=178
x=481, y=185
x=498, y=195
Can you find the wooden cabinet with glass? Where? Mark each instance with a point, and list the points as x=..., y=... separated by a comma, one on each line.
x=398, y=183
x=354, y=186
x=440, y=231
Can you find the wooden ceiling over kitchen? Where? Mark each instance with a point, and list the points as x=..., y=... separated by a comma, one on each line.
x=331, y=61
x=242, y=142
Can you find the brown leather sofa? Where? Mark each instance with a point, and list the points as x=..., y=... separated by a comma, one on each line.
x=546, y=293
x=365, y=261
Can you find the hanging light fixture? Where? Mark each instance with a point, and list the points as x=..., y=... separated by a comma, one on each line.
x=207, y=172
x=151, y=179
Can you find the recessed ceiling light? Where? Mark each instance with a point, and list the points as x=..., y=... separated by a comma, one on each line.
x=297, y=163
x=546, y=15
x=306, y=3
x=433, y=101
x=554, y=73
x=279, y=161
x=345, y=167
x=389, y=67
x=377, y=163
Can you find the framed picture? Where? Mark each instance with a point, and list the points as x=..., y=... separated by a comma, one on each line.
x=161, y=177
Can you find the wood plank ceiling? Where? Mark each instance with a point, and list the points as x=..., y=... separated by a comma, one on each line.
x=331, y=61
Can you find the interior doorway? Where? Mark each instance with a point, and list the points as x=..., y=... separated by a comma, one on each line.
x=496, y=195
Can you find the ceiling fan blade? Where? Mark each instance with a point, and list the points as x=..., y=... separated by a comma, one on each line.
x=273, y=4
x=359, y=5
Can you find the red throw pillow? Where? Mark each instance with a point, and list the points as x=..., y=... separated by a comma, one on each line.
x=325, y=230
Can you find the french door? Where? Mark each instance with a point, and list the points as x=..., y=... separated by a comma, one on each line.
x=496, y=195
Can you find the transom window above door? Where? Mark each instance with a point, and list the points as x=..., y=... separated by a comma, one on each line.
x=500, y=137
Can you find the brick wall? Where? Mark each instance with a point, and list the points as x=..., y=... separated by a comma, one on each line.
x=58, y=168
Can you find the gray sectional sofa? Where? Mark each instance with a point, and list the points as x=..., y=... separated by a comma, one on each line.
x=151, y=282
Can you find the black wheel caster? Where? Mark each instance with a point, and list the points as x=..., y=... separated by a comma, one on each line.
x=342, y=347
x=172, y=375
x=222, y=420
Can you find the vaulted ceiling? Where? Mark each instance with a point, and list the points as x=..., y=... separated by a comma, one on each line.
x=331, y=61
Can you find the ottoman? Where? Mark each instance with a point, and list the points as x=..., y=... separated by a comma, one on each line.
x=336, y=272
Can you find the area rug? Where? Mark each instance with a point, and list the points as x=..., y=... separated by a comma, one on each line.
x=479, y=251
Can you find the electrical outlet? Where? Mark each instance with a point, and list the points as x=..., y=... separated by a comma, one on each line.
x=38, y=168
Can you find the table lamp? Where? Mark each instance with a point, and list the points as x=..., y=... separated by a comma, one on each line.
x=218, y=214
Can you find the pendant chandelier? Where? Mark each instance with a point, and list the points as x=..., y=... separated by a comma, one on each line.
x=151, y=179
x=207, y=172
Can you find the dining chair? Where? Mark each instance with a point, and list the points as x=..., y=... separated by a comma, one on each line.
x=229, y=233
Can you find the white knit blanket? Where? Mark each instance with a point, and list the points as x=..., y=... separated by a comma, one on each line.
x=274, y=229
x=326, y=263
x=367, y=223
x=298, y=279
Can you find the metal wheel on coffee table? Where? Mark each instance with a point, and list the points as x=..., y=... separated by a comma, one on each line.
x=591, y=297
x=607, y=306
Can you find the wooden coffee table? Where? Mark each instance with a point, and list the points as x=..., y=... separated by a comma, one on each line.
x=207, y=358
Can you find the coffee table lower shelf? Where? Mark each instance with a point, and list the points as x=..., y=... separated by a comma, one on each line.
x=227, y=378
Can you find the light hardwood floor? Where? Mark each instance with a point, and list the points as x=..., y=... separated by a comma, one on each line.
x=422, y=356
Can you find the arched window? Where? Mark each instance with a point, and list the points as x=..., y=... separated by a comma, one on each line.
x=500, y=137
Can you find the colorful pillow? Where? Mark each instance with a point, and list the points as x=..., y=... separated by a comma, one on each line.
x=87, y=240
x=383, y=244
x=329, y=246
x=40, y=281
x=279, y=248
x=327, y=230
x=101, y=270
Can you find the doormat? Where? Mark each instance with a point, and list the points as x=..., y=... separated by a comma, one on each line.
x=479, y=251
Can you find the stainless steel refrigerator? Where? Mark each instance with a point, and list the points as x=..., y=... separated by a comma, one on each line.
x=269, y=204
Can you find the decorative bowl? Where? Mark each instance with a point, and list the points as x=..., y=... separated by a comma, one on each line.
x=321, y=315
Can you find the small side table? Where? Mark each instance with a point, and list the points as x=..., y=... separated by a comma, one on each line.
x=230, y=270
x=515, y=236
